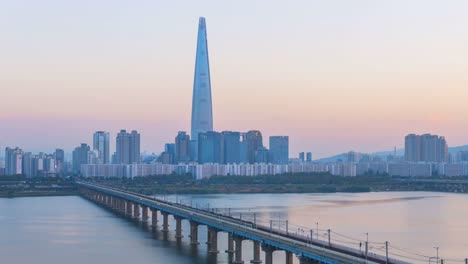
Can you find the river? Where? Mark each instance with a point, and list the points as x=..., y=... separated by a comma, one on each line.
x=74, y=230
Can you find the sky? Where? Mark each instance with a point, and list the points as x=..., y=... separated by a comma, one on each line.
x=334, y=75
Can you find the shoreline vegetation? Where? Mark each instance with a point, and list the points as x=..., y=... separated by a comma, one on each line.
x=19, y=186
x=285, y=183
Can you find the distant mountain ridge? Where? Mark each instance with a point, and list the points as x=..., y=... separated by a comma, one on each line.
x=383, y=154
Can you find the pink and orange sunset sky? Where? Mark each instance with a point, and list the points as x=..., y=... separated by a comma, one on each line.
x=334, y=75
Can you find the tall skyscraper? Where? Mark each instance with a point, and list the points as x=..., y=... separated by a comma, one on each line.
x=127, y=147
x=254, y=142
x=101, y=145
x=427, y=148
x=202, y=114
x=279, y=149
x=13, y=161
x=182, y=147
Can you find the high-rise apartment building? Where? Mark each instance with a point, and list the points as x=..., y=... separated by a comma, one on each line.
x=13, y=161
x=279, y=149
x=38, y=164
x=27, y=168
x=426, y=148
x=231, y=147
x=182, y=147
x=202, y=115
x=301, y=156
x=262, y=155
x=127, y=147
x=254, y=142
x=101, y=143
x=353, y=156
x=79, y=157
x=309, y=156
x=59, y=161
x=210, y=147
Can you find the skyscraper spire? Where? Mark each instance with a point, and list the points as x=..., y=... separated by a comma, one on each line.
x=202, y=114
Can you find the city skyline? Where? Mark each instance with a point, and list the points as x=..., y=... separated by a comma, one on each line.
x=328, y=97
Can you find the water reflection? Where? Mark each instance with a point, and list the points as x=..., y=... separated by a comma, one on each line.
x=73, y=230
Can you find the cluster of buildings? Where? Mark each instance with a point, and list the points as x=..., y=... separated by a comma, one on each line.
x=127, y=150
x=206, y=152
x=19, y=162
x=226, y=147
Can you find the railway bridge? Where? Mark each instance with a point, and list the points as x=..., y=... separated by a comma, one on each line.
x=145, y=208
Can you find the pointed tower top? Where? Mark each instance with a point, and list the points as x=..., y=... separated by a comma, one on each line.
x=201, y=23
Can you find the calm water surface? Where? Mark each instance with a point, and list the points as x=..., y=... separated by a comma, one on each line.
x=73, y=230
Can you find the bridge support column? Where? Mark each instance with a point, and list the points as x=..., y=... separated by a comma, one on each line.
x=268, y=253
x=256, y=253
x=116, y=204
x=154, y=217
x=193, y=233
x=289, y=257
x=212, y=240
x=238, y=250
x=121, y=207
x=178, y=227
x=304, y=260
x=165, y=222
x=145, y=213
x=136, y=211
x=129, y=209
x=230, y=249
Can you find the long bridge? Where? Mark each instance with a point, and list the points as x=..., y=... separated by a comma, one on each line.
x=308, y=251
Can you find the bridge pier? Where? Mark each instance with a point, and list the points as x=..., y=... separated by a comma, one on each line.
x=129, y=209
x=145, y=213
x=256, y=253
x=165, y=222
x=112, y=203
x=268, y=253
x=289, y=257
x=230, y=249
x=154, y=217
x=121, y=207
x=238, y=250
x=136, y=211
x=305, y=260
x=212, y=240
x=193, y=233
x=178, y=227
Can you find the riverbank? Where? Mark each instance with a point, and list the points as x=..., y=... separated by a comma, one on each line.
x=296, y=183
x=36, y=194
